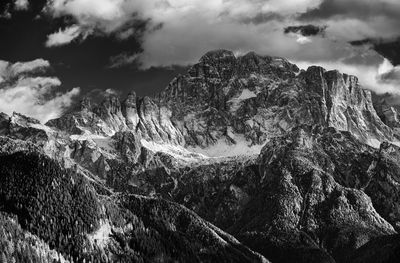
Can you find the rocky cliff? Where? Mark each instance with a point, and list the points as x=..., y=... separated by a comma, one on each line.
x=225, y=100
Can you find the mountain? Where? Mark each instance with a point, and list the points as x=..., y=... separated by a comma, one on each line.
x=388, y=111
x=241, y=159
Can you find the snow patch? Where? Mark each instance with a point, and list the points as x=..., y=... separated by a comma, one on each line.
x=374, y=143
x=245, y=95
x=85, y=136
x=222, y=148
x=395, y=143
x=175, y=151
x=43, y=127
x=105, y=143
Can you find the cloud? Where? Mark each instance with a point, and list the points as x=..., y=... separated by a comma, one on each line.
x=190, y=28
x=112, y=92
x=99, y=16
x=303, y=40
x=179, y=32
x=306, y=30
x=357, y=19
x=362, y=9
x=261, y=18
x=34, y=66
x=5, y=14
x=389, y=49
x=25, y=92
x=144, y=19
x=21, y=5
x=63, y=37
x=97, y=96
x=10, y=71
x=123, y=59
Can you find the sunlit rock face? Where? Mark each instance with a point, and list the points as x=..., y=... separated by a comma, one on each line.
x=314, y=199
x=389, y=113
x=253, y=98
x=129, y=110
x=224, y=100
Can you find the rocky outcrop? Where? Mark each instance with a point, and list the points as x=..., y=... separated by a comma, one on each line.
x=130, y=112
x=23, y=127
x=384, y=184
x=155, y=123
x=384, y=249
x=389, y=113
x=305, y=206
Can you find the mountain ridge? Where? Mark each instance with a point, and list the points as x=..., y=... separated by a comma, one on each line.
x=244, y=158
x=214, y=102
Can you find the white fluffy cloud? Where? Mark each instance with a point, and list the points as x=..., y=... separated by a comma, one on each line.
x=9, y=70
x=30, y=94
x=188, y=28
x=179, y=32
x=63, y=37
x=21, y=4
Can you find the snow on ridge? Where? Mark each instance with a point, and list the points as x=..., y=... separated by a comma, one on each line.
x=224, y=149
x=176, y=151
x=374, y=143
x=245, y=95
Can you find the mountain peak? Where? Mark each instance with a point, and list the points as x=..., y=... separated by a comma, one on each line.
x=224, y=100
x=218, y=54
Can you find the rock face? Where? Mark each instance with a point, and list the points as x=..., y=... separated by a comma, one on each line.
x=380, y=250
x=305, y=193
x=296, y=165
x=389, y=113
x=224, y=97
x=231, y=100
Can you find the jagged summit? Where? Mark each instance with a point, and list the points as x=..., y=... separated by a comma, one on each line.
x=227, y=105
x=217, y=55
x=228, y=102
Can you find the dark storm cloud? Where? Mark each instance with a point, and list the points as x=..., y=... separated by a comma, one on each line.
x=362, y=23
x=361, y=9
x=362, y=42
x=306, y=30
x=389, y=49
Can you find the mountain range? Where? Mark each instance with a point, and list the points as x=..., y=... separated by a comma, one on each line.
x=242, y=159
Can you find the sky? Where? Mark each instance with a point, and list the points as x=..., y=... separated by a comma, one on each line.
x=54, y=52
